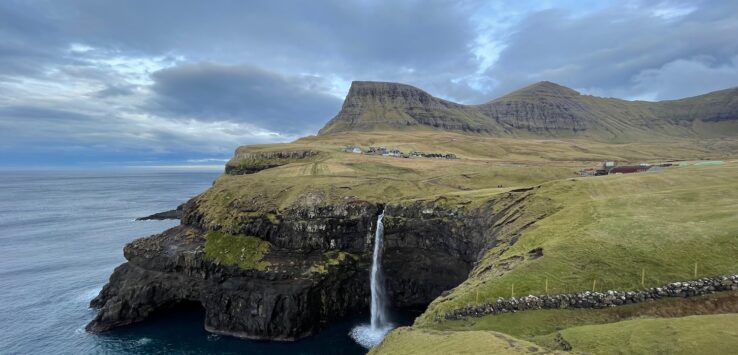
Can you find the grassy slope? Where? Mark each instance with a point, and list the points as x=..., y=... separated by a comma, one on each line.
x=423, y=341
x=532, y=325
x=707, y=334
x=611, y=229
x=711, y=334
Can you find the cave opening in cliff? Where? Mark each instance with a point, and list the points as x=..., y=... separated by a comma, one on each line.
x=180, y=311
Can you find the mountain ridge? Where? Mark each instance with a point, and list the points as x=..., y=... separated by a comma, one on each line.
x=541, y=110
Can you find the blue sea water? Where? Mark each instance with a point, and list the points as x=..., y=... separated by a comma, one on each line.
x=61, y=235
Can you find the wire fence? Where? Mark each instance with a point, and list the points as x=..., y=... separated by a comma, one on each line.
x=634, y=279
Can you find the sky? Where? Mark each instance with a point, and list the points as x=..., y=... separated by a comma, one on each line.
x=103, y=83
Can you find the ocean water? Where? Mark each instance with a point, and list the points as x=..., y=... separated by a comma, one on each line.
x=61, y=235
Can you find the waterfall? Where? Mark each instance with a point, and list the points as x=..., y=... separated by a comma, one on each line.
x=378, y=311
x=369, y=335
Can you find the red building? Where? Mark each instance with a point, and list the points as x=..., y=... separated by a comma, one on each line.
x=628, y=169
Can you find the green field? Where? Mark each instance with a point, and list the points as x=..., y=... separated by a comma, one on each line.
x=406, y=341
x=711, y=334
x=705, y=334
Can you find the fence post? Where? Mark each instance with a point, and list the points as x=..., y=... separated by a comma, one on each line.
x=594, y=284
x=477, y=300
x=512, y=290
x=643, y=277
x=547, y=285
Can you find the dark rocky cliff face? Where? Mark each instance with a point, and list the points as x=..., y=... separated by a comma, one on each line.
x=429, y=248
x=284, y=303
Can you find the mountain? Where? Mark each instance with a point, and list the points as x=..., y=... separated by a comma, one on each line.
x=541, y=110
x=376, y=105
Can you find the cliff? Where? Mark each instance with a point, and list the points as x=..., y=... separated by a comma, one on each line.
x=543, y=110
x=312, y=270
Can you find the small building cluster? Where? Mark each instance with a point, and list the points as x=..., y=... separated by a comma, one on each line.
x=383, y=151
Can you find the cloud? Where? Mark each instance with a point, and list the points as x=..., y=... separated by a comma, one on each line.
x=605, y=51
x=240, y=93
x=114, y=90
x=52, y=137
x=189, y=80
x=700, y=75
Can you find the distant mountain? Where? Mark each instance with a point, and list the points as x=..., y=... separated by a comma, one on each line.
x=544, y=110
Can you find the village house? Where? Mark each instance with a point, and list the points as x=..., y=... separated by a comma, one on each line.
x=352, y=149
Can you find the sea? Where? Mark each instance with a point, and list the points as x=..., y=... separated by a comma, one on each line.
x=61, y=235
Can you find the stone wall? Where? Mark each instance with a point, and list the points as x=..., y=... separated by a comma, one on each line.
x=597, y=299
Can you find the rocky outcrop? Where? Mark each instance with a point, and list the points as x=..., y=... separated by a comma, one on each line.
x=160, y=216
x=283, y=303
x=588, y=299
x=248, y=162
x=318, y=265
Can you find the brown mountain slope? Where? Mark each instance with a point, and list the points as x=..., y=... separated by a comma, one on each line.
x=542, y=110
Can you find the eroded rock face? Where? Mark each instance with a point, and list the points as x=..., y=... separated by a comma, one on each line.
x=247, y=162
x=428, y=249
x=282, y=303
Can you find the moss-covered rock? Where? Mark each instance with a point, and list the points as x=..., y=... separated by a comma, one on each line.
x=244, y=251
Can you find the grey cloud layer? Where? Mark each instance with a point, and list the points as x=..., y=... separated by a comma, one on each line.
x=625, y=52
x=243, y=93
x=155, y=74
